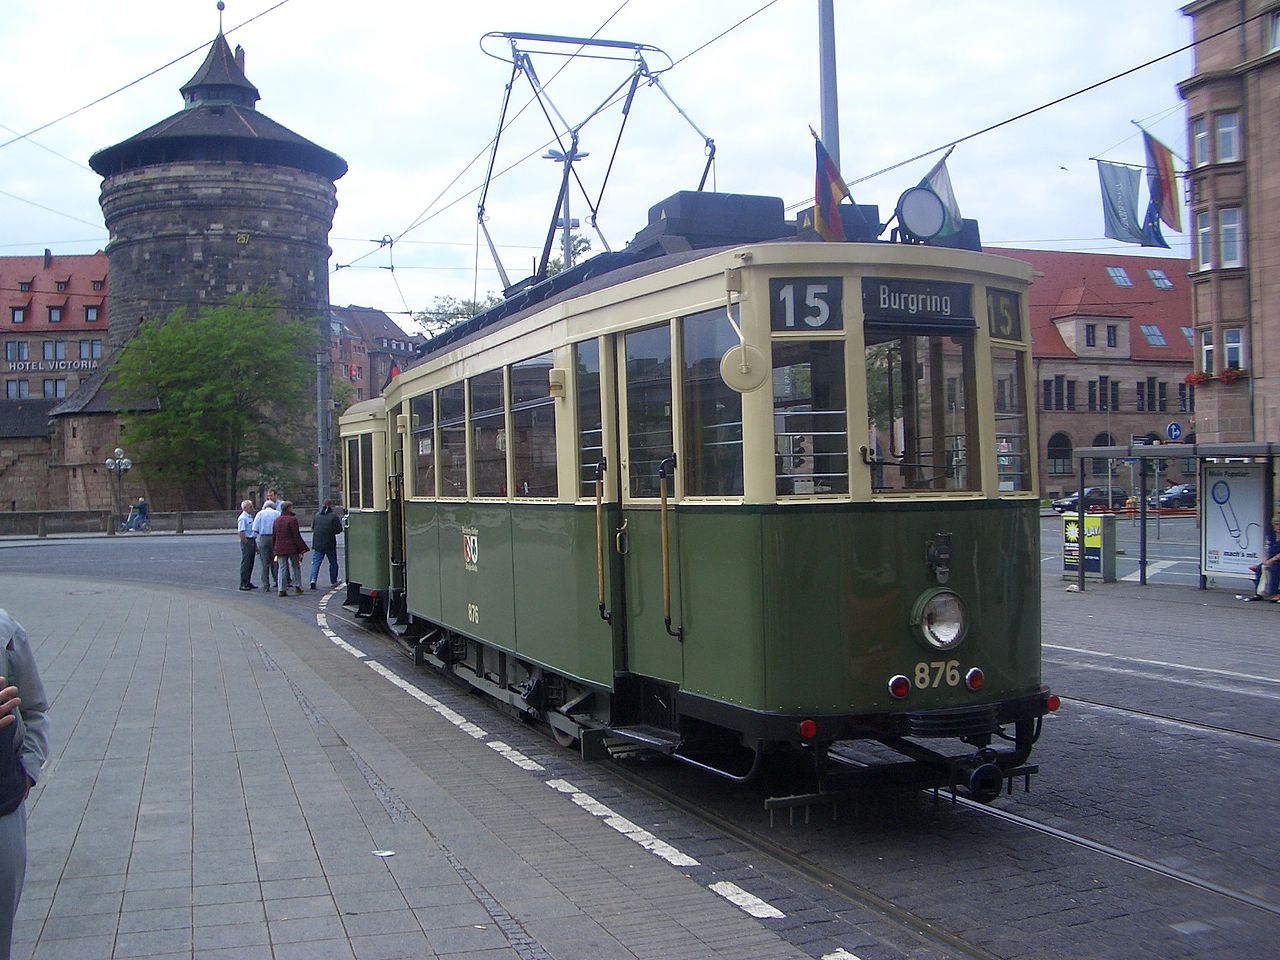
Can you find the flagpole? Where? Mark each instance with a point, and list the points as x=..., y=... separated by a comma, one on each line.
x=1149, y=134
x=827, y=79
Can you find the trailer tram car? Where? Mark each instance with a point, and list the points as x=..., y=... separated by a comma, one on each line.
x=727, y=493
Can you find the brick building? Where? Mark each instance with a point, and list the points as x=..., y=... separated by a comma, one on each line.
x=1111, y=346
x=365, y=345
x=1233, y=134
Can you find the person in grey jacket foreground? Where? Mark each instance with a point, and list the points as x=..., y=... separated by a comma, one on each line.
x=24, y=745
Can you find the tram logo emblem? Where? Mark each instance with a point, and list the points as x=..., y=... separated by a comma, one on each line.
x=470, y=548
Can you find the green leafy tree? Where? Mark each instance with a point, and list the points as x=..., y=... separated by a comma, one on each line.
x=445, y=311
x=581, y=247
x=219, y=395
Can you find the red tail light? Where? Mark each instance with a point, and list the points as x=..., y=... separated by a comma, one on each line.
x=1052, y=702
x=808, y=729
x=973, y=679
x=899, y=687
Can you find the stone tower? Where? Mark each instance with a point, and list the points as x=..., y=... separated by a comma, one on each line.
x=216, y=200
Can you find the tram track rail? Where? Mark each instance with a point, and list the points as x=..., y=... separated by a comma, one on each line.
x=1177, y=721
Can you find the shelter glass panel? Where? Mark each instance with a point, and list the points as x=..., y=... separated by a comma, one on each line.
x=810, y=418
x=423, y=409
x=712, y=465
x=1013, y=454
x=453, y=441
x=924, y=413
x=488, y=436
x=586, y=359
x=649, y=433
x=533, y=425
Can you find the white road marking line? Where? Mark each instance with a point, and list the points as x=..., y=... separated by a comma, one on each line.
x=457, y=719
x=746, y=901
x=515, y=756
x=1153, y=566
x=631, y=831
x=841, y=954
x=1164, y=663
x=322, y=620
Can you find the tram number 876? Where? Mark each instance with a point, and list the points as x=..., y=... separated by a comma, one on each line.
x=937, y=673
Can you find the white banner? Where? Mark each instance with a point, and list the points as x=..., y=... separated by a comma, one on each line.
x=1234, y=518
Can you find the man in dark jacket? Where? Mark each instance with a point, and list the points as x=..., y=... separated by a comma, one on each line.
x=325, y=530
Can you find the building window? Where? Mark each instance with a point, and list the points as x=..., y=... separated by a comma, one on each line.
x=1204, y=245
x=1113, y=335
x=1090, y=334
x=1154, y=336
x=1226, y=130
x=18, y=314
x=1199, y=142
x=16, y=389
x=15, y=351
x=1093, y=394
x=1229, y=236
x=55, y=314
x=1071, y=394
x=1273, y=33
x=60, y=286
x=1206, y=351
x=1190, y=335
x=90, y=314
x=1186, y=398
x=1233, y=348
x=1160, y=280
x=97, y=284
x=55, y=350
x=55, y=389
x=1115, y=393
x=1119, y=276
x=1059, y=455
x=1142, y=396
x=24, y=286
x=90, y=349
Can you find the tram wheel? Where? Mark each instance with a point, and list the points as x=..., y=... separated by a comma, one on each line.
x=564, y=739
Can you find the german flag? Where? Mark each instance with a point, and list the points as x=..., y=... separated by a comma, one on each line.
x=1162, y=182
x=828, y=190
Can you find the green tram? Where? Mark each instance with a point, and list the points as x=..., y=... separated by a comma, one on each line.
x=724, y=499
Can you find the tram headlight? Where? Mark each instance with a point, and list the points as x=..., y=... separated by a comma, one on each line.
x=940, y=620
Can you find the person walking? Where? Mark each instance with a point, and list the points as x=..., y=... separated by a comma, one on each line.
x=325, y=530
x=263, y=523
x=24, y=746
x=289, y=547
x=248, y=548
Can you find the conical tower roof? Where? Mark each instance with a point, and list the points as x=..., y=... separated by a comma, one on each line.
x=219, y=122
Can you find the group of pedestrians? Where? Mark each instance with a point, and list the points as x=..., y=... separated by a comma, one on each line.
x=271, y=536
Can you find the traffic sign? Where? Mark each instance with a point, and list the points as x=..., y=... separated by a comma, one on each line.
x=1174, y=431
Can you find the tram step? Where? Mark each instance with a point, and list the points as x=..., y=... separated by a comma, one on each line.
x=651, y=738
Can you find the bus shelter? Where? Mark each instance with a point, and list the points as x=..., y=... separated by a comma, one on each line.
x=1235, y=484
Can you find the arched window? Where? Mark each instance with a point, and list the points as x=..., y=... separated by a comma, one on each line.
x=1098, y=465
x=1059, y=455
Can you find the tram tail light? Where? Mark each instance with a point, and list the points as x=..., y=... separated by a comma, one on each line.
x=808, y=729
x=1052, y=702
x=899, y=687
x=973, y=679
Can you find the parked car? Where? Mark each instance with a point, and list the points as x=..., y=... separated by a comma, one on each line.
x=1094, y=497
x=1179, y=495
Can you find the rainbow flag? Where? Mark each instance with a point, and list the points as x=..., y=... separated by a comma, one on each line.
x=1162, y=182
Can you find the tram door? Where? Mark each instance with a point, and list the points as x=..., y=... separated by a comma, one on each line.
x=649, y=556
x=395, y=515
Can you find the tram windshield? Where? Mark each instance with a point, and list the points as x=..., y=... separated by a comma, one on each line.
x=923, y=411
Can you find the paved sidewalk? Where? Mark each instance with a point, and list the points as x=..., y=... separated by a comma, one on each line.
x=217, y=789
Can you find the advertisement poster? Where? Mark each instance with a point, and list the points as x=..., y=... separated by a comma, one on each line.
x=1092, y=543
x=1234, y=518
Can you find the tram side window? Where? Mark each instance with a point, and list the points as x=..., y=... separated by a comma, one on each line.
x=712, y=465
x=366, y=470
x=353, y=472
x=424, y=445
x=810, y=418
x=533, y=426
x=586, y=359
x=1013, y=466
x=649, y=434
x=923, y=415
x=488, y=436
x=453, y=441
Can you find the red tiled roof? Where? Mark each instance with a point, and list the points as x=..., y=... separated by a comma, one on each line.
x=1078, y=285
x=77, y=271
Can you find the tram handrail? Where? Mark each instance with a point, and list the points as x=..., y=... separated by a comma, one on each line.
x=605, y=615
x=678, y=632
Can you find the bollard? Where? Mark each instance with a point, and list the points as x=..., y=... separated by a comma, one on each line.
x=40, y=530
x=180, y=525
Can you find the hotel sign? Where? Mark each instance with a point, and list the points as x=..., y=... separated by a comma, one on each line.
x=51, y=366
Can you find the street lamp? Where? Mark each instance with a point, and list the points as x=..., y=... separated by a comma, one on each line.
x=118, y=465
x=567, y=159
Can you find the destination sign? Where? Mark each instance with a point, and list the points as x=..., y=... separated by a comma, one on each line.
x=889, y=299
x=806, y=304
x=1004, y=314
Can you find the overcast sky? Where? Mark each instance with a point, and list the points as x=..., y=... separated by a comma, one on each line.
x=402, y=90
